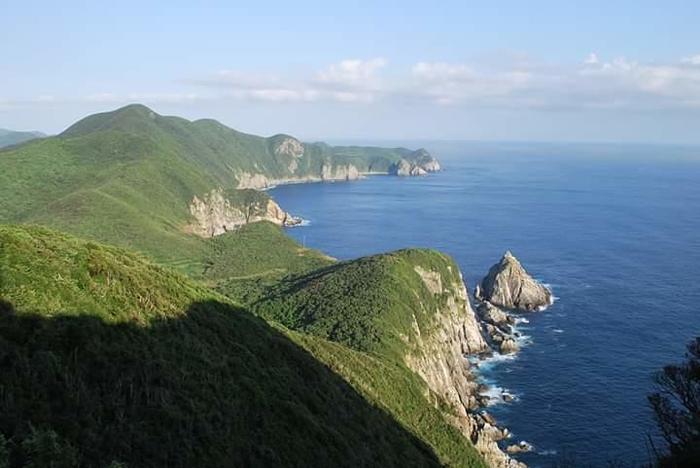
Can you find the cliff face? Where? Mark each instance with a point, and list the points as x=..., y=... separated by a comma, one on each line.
x=304, y=166
x=419, y=163
x=443, y=341
x=440, y=360
x=216, y=213
x=328, y=173
x=508, y=285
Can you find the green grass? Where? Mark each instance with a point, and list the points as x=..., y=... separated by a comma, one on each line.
x=127, y=177
x=112, y=358
x=105, y=357
x=243, y=264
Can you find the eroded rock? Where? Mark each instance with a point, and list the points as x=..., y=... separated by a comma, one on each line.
x=509, y=285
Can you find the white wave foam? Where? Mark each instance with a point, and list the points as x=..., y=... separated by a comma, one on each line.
x=558, y=330
x=546, y=452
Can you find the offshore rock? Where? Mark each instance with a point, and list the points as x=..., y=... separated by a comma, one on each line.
x=509, y=285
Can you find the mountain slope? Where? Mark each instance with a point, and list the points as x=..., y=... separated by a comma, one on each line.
x=130, y=177
x=10, y=137
x=105, y=357
x=403, y=324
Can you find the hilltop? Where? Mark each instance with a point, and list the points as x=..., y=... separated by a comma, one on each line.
x=145, y=181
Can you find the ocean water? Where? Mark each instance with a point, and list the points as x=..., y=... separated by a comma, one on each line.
x=615, y=231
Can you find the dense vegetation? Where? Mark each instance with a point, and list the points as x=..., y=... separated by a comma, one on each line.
x=127, y=177
x=109, y=359
x=676, y=407
x=365, y=304
x=115, y=359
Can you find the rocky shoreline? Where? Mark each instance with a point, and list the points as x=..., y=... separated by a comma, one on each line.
x=514, y=291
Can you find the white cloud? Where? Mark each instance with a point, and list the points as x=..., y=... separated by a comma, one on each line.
x=346, y=81
x=592, y=59
x=509, y=82
x=694, y=60
x=352, y=72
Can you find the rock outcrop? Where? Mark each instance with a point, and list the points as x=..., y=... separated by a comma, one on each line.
x=419, y=163
x=508, y=285
x=215, y=213
x=329, y=173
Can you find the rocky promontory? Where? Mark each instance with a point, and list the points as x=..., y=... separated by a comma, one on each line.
x=510, y=286
x=221, y=211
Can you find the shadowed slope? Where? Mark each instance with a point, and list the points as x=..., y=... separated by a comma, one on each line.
x=117, y=359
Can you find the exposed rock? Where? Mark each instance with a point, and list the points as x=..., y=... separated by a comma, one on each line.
x=420, y=162
x=509, y=346
x=293, y=149
x=509, y=285
x=343, y=172
x=247, y=180
x=493, y=315
x=438, y=358
x=522, y=447
x=290, y=147
x=432, y=279
x=214, y=214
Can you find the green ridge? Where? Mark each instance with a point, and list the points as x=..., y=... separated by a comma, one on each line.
x=105, y=357
x=127, y=177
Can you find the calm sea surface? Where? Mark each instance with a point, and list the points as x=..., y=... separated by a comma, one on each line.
x=615, y=231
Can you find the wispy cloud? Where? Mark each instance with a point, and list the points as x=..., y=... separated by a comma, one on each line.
x=592, y=82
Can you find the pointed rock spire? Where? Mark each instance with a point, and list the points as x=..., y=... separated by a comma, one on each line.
x=509, y=285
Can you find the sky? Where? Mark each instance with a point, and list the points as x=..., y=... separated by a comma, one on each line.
x=622, y=71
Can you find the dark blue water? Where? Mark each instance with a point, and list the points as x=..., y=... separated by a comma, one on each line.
x=615, y=230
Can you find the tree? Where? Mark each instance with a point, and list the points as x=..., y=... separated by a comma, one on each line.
x=676, y=406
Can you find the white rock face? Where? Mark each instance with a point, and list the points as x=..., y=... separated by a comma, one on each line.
x=214, y=214
x=293, y=149
x=328, y=173
x=290, y=147
x=420, y=164
x=346, y=172
x=247, y=180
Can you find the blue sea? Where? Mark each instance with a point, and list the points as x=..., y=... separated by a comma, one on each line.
x=613, y=229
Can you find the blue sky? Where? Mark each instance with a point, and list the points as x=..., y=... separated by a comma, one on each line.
x=536, y=70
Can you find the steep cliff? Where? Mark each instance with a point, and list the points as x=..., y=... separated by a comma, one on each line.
x=419, y=163
x=220, y=211
x=408, y=308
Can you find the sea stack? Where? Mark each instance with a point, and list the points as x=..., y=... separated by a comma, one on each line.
x=509, y=285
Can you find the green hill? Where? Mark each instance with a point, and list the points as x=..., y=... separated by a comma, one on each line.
x=10, y=137
x=105, y=357
x=108, y=357
x=128, y=177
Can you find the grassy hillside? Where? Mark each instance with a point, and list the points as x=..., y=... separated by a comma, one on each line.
x=9, y=137
x=243, y=264
x=367, y=304
x=127, y=177
x=105, y=357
